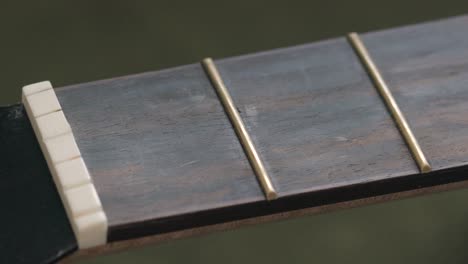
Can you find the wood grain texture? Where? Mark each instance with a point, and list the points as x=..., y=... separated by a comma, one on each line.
x=426, y=66
x=164, y=156
x=316, y=118
x=158, y=145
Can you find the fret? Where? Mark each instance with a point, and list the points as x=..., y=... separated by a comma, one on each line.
x=239, y=126
x=389, y=100
x=427, y=67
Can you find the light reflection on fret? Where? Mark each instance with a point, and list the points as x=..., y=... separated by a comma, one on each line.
x=240, y=129
x=389, y=100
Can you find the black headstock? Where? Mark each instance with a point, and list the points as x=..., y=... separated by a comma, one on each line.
x=34, y=226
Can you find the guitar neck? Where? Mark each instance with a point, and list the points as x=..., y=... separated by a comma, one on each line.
x=159, y=145
x=164, y=154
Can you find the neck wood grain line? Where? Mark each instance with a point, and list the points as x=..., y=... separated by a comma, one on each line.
x=67, y=167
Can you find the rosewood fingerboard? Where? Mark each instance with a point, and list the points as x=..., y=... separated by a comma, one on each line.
x=164, y=156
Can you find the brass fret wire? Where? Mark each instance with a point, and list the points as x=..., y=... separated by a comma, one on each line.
x=389, y=100
x=240, y=129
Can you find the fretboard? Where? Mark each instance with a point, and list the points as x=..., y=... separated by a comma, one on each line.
x=164, y=156
x=159, y=145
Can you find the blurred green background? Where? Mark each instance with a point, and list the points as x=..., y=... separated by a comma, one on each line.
x=77, y=41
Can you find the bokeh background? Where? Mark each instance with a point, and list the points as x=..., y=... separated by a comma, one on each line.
x=70, y=42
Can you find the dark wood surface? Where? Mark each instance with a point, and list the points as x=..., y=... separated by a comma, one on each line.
x=158, y=145
x=161, y=239
x=33, y=225
x=316, y=118
x=426, y=67
x=164, y=156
